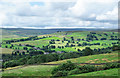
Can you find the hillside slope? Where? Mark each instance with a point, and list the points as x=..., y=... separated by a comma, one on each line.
x=101, y=58
x=110, y=72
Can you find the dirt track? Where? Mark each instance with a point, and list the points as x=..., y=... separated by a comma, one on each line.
x=86, y=63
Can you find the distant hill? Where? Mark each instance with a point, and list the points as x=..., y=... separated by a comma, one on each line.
x=28, y=32
x=21, y=32
x=115, y=30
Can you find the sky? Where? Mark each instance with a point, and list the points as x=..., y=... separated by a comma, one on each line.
x=45, y=14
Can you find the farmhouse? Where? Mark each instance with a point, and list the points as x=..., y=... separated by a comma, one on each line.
x=36, y=48
x=46, y=52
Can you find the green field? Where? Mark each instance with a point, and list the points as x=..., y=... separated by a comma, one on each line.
x=76, y=35
x=110, y=72
x=59, y=39
x=33, y=70
x=6, y=50
x=38, y=43
x=101, y=58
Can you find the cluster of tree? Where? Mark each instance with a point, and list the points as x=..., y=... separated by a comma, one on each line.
x=105, y=34
x=34, y=58
x=28, y=45
x=60, y=47
x=70, y=68
x=24, y=39
x=87, y=44
x=18, y=53
x=52, y=41
x=92, y=32
x=114, y=38
x=16, y=46
x=91, y=37
x=103, y=39
x=116, y=47
x=32, y=52
x=80, y=39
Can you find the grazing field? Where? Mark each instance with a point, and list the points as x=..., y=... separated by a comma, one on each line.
x=38, y=43
x=33, y=70
x=101, y=58
x=73, y=43
x=110, y=72
x=9, y=51
x=27, y=47
x=6, y=50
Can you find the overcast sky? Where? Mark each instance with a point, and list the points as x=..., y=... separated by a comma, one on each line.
x=59, y=14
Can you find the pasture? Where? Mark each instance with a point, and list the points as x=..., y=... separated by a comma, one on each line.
x=38, y=43
x=67, y=41
x=110, y=72
x=6, y=51
x=60, y=42
x=33, y=70
x=100, y=58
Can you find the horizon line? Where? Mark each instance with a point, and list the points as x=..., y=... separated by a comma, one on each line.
x=58, y=28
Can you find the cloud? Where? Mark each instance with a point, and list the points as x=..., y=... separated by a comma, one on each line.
x=109, y=15
x=77, y=13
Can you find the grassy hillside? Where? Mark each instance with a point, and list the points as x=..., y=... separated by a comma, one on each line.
x=6, y=50
x=45, y=70
x=38, y=43
x=101, y=58
x=110, y=72
x=34, y=70
x=77, y=35
x=55, y=41
x=19, y=32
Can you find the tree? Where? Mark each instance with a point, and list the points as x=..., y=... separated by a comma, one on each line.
x=87, y=51
x=72, y=45
x=103, y=39
x=79, y=45
x=52, y=46
x=59, y=46
x=6, y=46
x=116, y=47
x=25, y=48
x=52, y=42
x=64, y=38
x=23, y=53
x=62, y=46
x=57, y=40
x=64, y=67
x=72, y=38
x=79, y=50
x=15, y=53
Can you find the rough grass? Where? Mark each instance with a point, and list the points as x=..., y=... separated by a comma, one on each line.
x=110, y=72
x=38, y=43
x=67, y=49
x=101, y=58
x=34, y=70
x=6, y=51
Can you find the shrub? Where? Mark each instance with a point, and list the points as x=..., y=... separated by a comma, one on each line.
x=64, y=67
x=61, y=73
x=74, y=71
x=55, y=70
x=88, y=51
x=11, y=63
x=67, y=66
x=111, y=65
x=87, y=68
